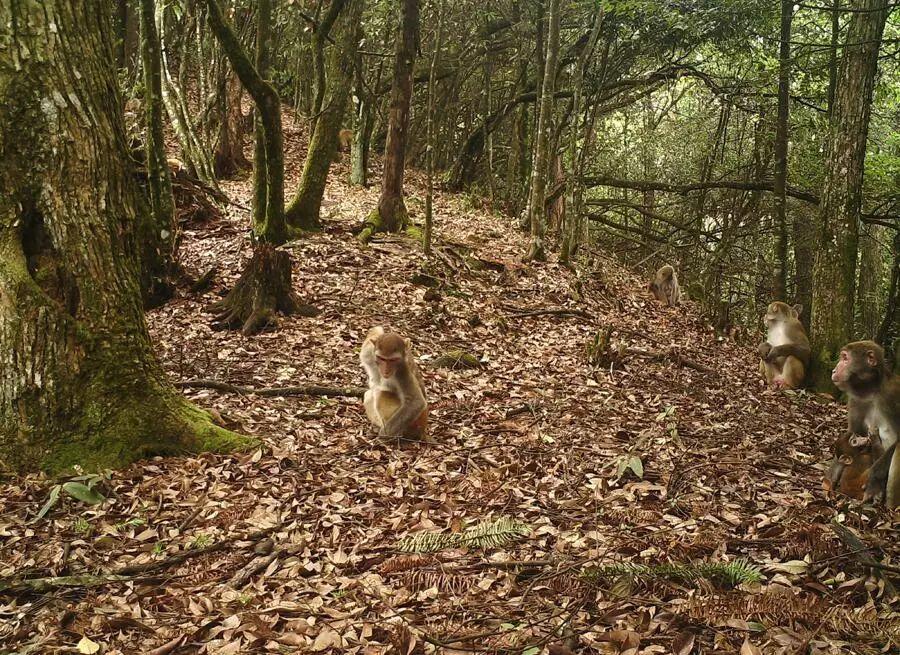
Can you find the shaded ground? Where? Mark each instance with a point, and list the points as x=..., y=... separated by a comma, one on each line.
x=537, y=435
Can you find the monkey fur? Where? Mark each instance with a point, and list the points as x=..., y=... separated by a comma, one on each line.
x=784, y=355
x=665, y=286
x=873, y=410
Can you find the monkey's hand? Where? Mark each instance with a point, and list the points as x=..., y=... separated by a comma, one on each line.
x=876, y=487
x=398, y=424
x=789, y=350
x=764, y=349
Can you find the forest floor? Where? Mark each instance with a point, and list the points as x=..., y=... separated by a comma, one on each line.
x=298, y=546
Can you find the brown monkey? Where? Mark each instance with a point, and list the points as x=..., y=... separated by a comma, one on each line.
x=873, y=408
x=395, y=401
x=849, y=470
x=665, y=286
x=345, y=138
x=785, y=352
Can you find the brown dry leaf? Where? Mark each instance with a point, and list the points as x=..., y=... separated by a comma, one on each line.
x=683, y=643
x=749, y=649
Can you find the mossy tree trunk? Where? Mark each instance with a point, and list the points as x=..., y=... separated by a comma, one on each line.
x=537, y=210
x=834, y=291
x=79, y=383
x=260, y=161
x=264, y=287
x=159, y=246
x=321, y=34
x=303, y=212
x=390, y=215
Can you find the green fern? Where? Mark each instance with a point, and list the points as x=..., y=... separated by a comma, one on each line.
x=493, y=534
x=730, y=574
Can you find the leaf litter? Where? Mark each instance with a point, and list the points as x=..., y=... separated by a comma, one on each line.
x=658, y=473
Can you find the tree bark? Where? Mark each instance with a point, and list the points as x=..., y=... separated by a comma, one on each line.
x=834, y=291
x=781, y=151
x=303, y=212
x=159, y=245
x=540, y=171
x=79, y=383
x=390, y=215
x=229, y=158
x=429, y=132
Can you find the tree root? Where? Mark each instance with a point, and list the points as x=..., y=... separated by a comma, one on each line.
x=263, y=290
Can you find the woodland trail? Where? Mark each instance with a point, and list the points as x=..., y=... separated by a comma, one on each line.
x=535, y=435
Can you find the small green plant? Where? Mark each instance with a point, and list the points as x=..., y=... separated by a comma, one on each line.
x=81, y=525
x=201, y=541
x=80, y=488
x=245, y=599
x=130, y=523
x=158, y=549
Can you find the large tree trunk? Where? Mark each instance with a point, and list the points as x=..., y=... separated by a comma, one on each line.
x=541, y=170
x=159, y=244
x=78, y=380
x=429, y=132
x=781, y=151
x=834, y=290
x=390, y=215
x=303, y=212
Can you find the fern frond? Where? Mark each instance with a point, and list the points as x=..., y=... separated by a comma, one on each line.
x=729, y=574
x=494, y=534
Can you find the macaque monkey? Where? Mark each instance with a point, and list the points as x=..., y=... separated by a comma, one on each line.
x=873, y=410
x=665, y=286
x=849, y=470
x=345, y=139
x=785, y=352
x=395, y=401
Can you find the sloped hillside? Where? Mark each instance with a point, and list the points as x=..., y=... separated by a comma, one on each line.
x=545, y=465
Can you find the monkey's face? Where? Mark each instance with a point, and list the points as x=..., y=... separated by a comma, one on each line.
x=856, y=370
x=388, y=363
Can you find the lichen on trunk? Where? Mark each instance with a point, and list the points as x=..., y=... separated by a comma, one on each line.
x=79, y=383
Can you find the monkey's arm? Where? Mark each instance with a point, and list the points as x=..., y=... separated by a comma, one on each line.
x=797, y=350
x=878, y=476
x=763, y=349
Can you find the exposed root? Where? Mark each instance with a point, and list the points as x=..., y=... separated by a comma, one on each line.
x=263, y=290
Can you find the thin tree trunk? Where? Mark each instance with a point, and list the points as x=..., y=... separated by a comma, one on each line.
x=538, y=215
x=390, y=215
x=159, y=246
x=833, y=53
x=79, y=383
x=229, y=157
x=781, y=151
x=573, y=185
x=834, y=289
x=429, y=134
x=260, y=168
x=319, y=37
x=303, y=212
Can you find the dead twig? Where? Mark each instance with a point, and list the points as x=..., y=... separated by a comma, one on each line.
x=860, y=552
x=671, y=354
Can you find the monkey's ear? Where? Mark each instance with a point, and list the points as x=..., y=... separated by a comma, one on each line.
x=871, y=359
x=859, y=441
x=798, y=309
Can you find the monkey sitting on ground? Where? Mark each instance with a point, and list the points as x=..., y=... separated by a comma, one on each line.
x=785, y=352
x=345, y=139
x=849, y=470
x=395, y=401
x=873, y=408
x=665, y=286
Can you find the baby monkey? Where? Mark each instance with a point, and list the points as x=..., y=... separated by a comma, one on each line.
x=849, y=470
x=395, y=401
x=665, y=286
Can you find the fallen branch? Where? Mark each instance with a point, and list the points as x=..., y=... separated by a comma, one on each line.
x=125, y=573
x=306, y=390
x=257, y=564
x=671, y=354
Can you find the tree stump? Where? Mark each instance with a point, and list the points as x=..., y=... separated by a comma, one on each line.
x=263, y=289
